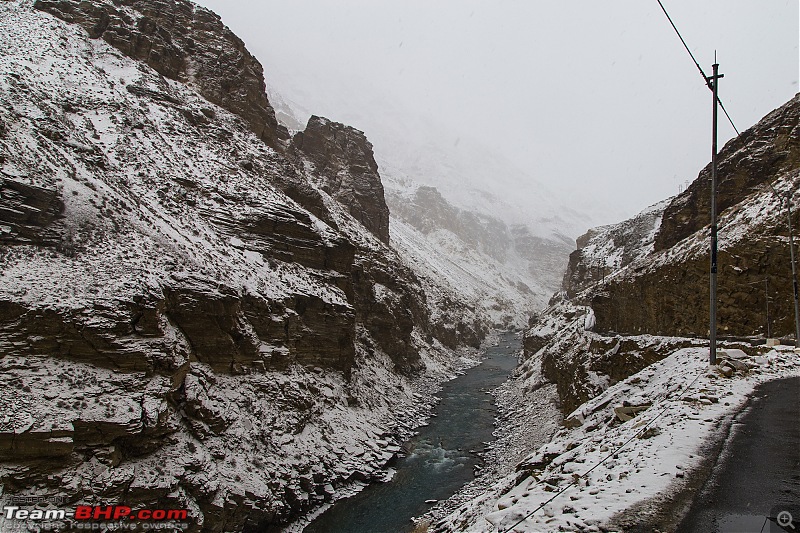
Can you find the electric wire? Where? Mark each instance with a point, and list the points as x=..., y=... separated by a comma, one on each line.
x=706, y=79
x=674, y=27
x=611, y=454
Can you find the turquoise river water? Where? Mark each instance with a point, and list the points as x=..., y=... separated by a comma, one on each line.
x=442, y=457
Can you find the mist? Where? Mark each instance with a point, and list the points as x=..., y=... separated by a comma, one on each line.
x=597, y=101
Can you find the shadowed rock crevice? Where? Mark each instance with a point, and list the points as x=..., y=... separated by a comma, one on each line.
x=27, y=212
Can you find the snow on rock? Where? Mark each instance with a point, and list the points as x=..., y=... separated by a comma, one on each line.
x=502, y=271
x=608, y=249
x=185, y=317
x=664, y=291
x=604, y=466
x=450, y=223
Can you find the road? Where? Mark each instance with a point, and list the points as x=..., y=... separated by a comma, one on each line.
x=758, y=472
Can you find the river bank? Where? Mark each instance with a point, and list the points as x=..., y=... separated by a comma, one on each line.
x=445, y=454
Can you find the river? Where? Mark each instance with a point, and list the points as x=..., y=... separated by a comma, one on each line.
x=442, y=457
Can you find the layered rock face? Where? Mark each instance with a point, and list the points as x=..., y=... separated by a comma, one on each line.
x=185, y=42
x=762, y=154
x=187, y=317
x=343, y=157
x=635, y=289
x=27, y=212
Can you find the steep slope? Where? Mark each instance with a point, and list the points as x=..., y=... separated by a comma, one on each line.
x=188, y=319
x=182, y=42
x=653, y=271
x=353, y=180
x=607, y=249
x=753, y=244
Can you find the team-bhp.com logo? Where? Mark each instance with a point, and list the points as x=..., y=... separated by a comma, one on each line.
x=105, y=518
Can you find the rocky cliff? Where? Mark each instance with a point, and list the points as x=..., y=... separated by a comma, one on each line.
x=635, y=290
x=189, y=316
x=753, y=246
x=607, y=249
x=343, y=158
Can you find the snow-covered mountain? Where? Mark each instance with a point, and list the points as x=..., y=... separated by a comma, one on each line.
x=503, y=271
x=195, y=311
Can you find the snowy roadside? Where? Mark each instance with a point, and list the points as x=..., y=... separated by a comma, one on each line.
x=588, y=474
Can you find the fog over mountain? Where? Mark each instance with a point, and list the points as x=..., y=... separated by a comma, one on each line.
x=598, y=102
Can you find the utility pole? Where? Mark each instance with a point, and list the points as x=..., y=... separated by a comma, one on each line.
x=766, y=299
x=794, y=272
x=713, y=83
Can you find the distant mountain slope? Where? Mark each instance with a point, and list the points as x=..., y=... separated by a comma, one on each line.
x=504, y=272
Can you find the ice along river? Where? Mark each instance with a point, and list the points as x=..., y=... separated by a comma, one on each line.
x=442, y=456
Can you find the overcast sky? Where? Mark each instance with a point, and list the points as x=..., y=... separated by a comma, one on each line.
x=597, y=99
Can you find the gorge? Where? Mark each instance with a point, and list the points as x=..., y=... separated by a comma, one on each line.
x=210, y=306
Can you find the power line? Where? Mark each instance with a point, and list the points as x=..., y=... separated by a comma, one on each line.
x=712, y=84
x=706, y=79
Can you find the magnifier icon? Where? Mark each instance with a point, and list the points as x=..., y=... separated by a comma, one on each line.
x=784, y=519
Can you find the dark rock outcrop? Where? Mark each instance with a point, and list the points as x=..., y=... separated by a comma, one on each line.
x=185, y=42
x=666, y=292
x=288, y=234
x=343, y=157
x=583, y=369
x=26, y=213
x=389, y=303
x=674, y=299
